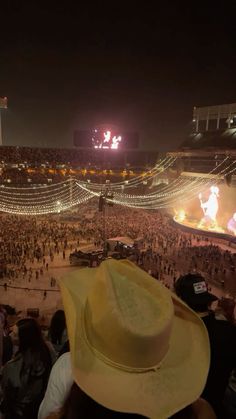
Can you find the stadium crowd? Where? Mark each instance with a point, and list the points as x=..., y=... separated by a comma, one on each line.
x=35, y=156
x=165, y=249
x=19, y=176
x=176, y=259
x=27, y=165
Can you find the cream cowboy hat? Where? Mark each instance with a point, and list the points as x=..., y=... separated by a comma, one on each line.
x=135, y=346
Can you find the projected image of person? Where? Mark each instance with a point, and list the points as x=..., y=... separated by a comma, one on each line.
x=105, y=139
x=210, y=208
x=231, y=226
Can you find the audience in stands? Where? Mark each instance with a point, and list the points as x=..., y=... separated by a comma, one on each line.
x=163, y=252
x=52, y=157
x=33, y=165
x=192, y=289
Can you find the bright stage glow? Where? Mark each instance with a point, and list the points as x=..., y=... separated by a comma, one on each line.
x=181, y=215
x=106, y=139
x=210, y=207
x=194, y=224
x=219, y=218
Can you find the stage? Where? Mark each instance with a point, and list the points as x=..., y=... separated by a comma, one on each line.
x=194, y=226
x=210, y=213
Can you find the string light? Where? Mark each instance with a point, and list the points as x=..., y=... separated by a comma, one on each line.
x=54, y=198
x=183, y=194
x=34, y=201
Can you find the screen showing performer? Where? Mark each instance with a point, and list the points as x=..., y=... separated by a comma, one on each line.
x=106, y=139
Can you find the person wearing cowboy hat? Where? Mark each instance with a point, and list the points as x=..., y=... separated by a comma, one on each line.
x=192, y=289
x=135, y=347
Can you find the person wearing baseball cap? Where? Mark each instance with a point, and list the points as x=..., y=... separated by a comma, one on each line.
x=192, y=289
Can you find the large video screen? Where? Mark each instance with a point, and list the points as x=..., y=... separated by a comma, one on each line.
x=106, y=139
x=212, y=210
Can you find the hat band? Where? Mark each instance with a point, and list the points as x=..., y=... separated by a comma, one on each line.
x=109, y=361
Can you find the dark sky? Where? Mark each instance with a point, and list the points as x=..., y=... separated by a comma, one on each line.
x=142, y=68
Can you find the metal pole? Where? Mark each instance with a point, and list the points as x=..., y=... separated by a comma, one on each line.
x=104, y=225
x=71, y=192
x=197, y=124
x=0, y=128
x=207, y=121
x=218, y=119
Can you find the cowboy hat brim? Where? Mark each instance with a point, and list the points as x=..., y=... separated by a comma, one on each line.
x=157, y=393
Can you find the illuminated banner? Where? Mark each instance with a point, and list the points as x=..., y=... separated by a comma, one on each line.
x=3, y=102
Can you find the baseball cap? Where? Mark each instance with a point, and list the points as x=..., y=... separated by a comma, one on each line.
x=192, y=289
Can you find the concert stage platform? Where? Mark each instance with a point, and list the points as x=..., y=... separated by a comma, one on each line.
x=217, y=233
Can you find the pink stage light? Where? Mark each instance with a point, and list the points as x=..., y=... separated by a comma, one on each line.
x=231, y=225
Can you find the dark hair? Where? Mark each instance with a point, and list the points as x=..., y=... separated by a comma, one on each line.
x=4, y=318
x=80, y=405
x=30, y=336
x=32, y=345
x=57, y=326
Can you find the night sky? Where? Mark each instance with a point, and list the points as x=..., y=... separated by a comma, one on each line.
x=143, y=68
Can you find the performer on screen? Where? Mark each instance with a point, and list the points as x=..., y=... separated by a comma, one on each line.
x=210, y=208
x=232, y=224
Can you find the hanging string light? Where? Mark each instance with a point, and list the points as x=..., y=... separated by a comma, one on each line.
x=54, y=198
x=42, y=200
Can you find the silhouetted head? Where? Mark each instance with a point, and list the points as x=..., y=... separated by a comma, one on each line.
x=29, y=335
x=57, y=326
